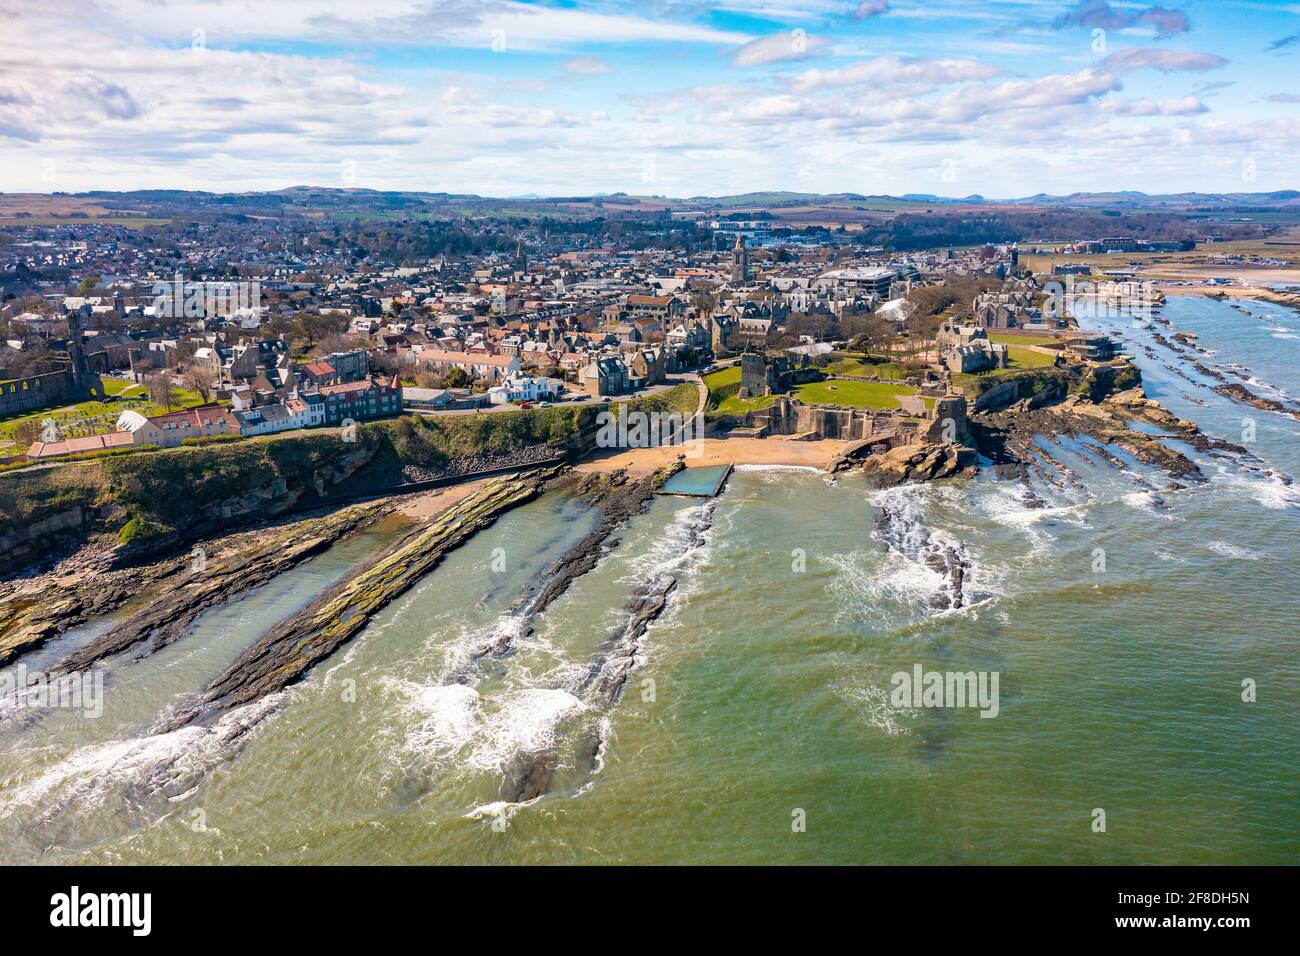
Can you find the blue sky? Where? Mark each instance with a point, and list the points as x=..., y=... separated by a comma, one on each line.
x=672, y=97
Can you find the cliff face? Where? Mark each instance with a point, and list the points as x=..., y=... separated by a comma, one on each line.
x=159, y=500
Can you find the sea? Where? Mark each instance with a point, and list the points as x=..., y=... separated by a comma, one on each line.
x=1145, y=643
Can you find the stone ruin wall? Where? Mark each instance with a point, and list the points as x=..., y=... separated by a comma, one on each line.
x=34, y=392
x=789, y=416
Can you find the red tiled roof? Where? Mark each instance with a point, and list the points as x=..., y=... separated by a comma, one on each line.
x=76, y=446
x=197, y=416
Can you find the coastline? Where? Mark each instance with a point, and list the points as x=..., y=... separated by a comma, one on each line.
x=640, y=462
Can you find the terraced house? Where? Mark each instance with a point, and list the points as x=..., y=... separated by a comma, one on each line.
x=170, y=430
x=359, y=401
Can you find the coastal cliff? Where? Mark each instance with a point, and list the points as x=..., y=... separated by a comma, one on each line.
x=154, y=503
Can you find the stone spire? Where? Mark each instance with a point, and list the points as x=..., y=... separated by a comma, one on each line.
x=739, y=261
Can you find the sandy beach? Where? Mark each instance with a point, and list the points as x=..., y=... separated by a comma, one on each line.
x=429, y=504
x=1252, y=276
x=719, y=451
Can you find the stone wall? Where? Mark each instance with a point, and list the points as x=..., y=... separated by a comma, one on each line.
x=22, y=395
x=1041, y=387
x=789, y=416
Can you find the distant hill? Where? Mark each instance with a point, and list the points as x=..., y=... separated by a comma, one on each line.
x=785, y=207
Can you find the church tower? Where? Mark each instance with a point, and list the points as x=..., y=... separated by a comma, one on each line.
x=739, y=261
x=85, y=380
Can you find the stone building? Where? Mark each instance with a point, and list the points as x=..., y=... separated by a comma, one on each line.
x=79, y=382
x=739, y=261
x=761, y=375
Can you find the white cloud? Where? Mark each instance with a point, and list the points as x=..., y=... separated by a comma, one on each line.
x=588, y=66
x=870, y=8
x=895, y=71
x=1167, y=61
x=1184, y=106
x=777, y=48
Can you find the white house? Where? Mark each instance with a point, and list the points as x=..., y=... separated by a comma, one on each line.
x=291, y=414
x=524, y=388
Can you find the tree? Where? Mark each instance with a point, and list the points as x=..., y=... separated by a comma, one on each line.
x=26, y=432
x=161, y=390
x=200, y=380
x=335, y=342
x=87, y=285
x=312, y=327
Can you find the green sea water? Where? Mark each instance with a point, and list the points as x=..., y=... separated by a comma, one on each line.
x=757, y=726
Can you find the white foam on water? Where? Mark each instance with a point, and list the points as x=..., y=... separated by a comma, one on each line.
x=454, y=726
x=499, y=810
x=1233, y=551
x=869, y=582
x=1010, y=508
x=472, y=643
x=1146, y=501
x=604, y=735
x=1270, y=491
x=671, y=554
x=778, y=469
x=874, y=706
x=95, y=775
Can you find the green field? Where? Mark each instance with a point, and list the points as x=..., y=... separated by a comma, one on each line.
x=853, y=365
x=95, y=418
x=1027, y=358
x=879, y=395
x=724, y=387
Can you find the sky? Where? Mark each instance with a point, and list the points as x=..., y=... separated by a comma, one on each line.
x=1001, y=98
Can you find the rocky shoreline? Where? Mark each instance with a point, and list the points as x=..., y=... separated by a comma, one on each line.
x=292, y=648
x=950, y=560
x=1244, y=395
x=608, y=672
x=170, y=617
x=1009, y=438
x=95, y=581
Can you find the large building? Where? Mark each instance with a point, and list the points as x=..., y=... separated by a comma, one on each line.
x=359, y=401
x=877, y=281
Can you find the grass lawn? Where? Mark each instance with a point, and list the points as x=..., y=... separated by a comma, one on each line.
x=724, y=386
x=95, y=418
x=855, y=366
x=116, y=386
x=738, y=406
x=1027, y=358
x=880, y=395
x=1011, y=338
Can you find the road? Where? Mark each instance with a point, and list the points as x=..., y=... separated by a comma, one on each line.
x=586, y=400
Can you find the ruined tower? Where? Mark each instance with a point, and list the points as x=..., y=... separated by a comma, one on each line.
x=85, y=380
